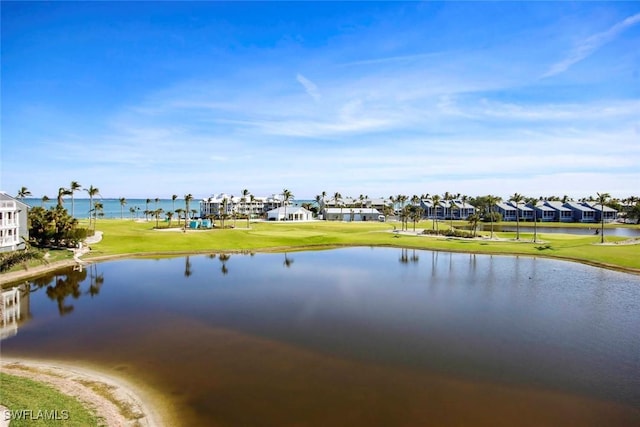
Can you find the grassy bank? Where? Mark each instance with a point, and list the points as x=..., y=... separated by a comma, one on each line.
x=37, y=404
x=129, y=237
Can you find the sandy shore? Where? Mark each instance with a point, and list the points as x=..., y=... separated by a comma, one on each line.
x=116, y=401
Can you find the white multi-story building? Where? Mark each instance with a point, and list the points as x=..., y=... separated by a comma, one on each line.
x=13, y=223
x=250, y=205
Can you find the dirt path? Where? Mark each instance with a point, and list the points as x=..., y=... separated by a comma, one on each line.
x=116, y=402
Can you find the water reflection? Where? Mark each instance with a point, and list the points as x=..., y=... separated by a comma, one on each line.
x=356, y=325
x=14, y=309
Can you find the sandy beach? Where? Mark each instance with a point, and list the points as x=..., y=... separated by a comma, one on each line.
x=115, y=400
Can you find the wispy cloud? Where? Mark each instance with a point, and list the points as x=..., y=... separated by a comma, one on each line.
x=591, y=44
x=309, y=86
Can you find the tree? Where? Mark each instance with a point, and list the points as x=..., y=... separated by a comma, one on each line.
x=179, y=211
x=474, y=219
x=61, y=193
x=169, y=215
x=337, y=198
x=286, y=196
x=173, y=200
x=401, y=198
x=517, y=198
x=97, y=211
x=75, y=186
x=132, y=210
x=247, y=212
x=22, y=193
x=157, y=213
x=435, y=201
x=491, y=201
x=187, y=200
x=602, y=199
x=146, y=209
x=123, y=202
x=45, y=199
x=92, y=191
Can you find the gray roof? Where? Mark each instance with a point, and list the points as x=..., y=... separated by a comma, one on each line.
x=578, y=206
x=557, y=205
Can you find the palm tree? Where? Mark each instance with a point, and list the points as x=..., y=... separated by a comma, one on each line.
x=132, y=210
x=61, y=193
x=286, y=196
x=187, y=199
x=123, y=202
x=23, y=192
x=245, y=193
x=517, y=198
x=92, y=191
x=146, y=209
x=435, y=201
x=491, y=201
x=75, y=186
x=474, y=219
x=173, y=199
x=169, y=215
x=97, y=210
x=601, y=200
x=179, y=211
x=157, y=213
x=45, y=199
x=337, y=198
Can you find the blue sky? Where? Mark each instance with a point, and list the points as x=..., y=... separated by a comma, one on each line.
x=155, y=98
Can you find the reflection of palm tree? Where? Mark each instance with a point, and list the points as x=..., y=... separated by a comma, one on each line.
x=223, y=259
x=97, y=280
x=287, y=261
x=187, y=267
x=414, y=256
x=64, y=287
x=404, y=256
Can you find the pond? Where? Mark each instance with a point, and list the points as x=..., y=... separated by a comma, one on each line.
x=353, y=336
x=590, y=230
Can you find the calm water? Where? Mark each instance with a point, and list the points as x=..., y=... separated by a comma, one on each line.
x=591, y=229
x=355, y=336
x=113, y=209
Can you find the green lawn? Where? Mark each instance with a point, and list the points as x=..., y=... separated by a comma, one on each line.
x=129, y=237
x=38, y=404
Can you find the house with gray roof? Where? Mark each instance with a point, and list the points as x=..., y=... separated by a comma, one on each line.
x=581, y=212
x=609, y=214
x=563, y=213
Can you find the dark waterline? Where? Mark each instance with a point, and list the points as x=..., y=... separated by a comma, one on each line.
x=381, y=336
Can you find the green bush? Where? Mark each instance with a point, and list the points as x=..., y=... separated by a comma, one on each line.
x=8, y=260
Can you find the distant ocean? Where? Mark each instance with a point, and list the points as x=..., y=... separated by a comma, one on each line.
x=111, y=207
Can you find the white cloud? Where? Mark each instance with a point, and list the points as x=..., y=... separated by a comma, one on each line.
x=591, y=44
x=309, y=86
